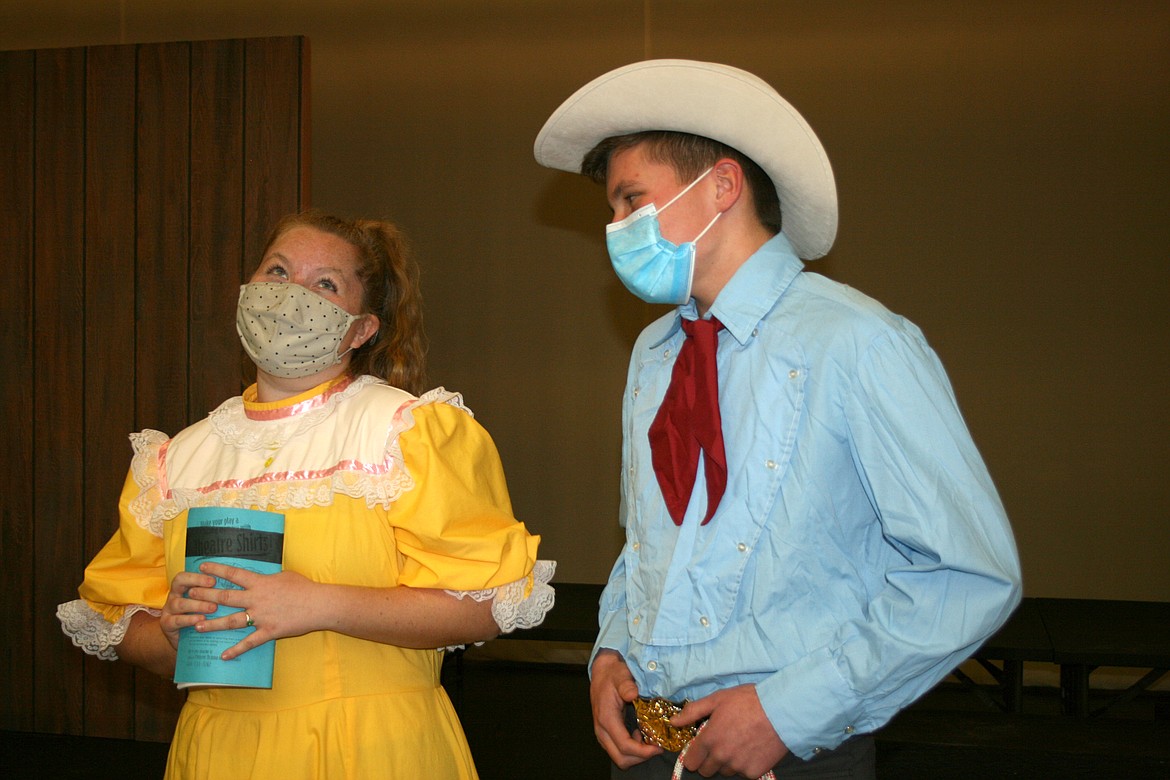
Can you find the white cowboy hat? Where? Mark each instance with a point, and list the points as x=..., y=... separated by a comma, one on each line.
x=719, y=102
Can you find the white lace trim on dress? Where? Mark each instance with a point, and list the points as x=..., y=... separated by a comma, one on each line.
x=233, y=426
x=519, y=604
x=90, y=631
x=151, y=509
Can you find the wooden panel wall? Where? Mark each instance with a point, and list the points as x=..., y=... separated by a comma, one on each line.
x=137, y=186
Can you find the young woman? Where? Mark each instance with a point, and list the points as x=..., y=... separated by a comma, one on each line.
x=398, y=535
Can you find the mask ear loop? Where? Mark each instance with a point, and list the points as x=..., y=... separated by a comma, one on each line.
x=686, y=189
x=354, y=318
x=709, y=224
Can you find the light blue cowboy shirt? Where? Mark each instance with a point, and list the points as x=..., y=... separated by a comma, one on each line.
x=860, y=551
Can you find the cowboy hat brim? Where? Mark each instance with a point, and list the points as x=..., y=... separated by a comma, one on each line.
x=716, y=101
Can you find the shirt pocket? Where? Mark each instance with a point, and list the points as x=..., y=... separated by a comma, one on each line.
x=762, y=401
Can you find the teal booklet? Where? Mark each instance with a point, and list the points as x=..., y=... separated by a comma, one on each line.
x=247, y=538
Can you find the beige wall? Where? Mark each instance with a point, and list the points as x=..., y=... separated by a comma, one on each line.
x=1003, y=170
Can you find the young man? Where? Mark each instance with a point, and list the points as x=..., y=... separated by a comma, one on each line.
x=813, y=540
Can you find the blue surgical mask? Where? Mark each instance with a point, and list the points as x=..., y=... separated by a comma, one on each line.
x=651, y=267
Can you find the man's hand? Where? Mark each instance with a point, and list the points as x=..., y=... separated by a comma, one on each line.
x=610, y=689
x=738, y=737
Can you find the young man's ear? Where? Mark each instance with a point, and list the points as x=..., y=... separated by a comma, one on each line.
x=729, y=182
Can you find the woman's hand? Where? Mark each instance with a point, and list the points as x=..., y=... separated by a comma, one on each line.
x=289, y=604
x=152, y=642
x=279, y=605
x=182, y=609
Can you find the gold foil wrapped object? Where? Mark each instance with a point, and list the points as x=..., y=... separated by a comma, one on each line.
x=654, y=722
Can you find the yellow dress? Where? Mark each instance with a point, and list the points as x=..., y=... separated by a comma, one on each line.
x=378, y=488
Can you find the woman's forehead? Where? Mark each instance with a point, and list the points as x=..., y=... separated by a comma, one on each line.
x=309, y=246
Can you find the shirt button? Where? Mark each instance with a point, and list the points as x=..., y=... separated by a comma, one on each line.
x=771, y=464
x=793, y=374
x=704, y=622
x=755, y=332
x=848, y=729
x=637, y=546
x=636, y=391
x=637, y=619
x=741, y=547
x=818, y=750
x=652, y=665
x=666, y=355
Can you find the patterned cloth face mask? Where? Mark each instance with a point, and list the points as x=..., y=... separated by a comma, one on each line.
x=290, y=331
x=651, y=267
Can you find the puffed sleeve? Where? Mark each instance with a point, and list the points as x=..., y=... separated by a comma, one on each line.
x=455, y=528
x=129, y=574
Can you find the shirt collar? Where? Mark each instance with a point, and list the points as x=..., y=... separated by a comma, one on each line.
x=750, y=294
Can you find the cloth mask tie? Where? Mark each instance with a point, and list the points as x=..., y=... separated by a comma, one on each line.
x=689, y=422
x=290, y=331
x=652, y=268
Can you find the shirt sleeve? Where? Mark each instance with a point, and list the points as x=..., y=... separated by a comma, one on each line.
x=454, y=527
x=129, y=574
x=613, y=633
x=958, y=578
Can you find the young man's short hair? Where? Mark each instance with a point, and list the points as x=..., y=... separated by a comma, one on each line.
x=689, y=155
